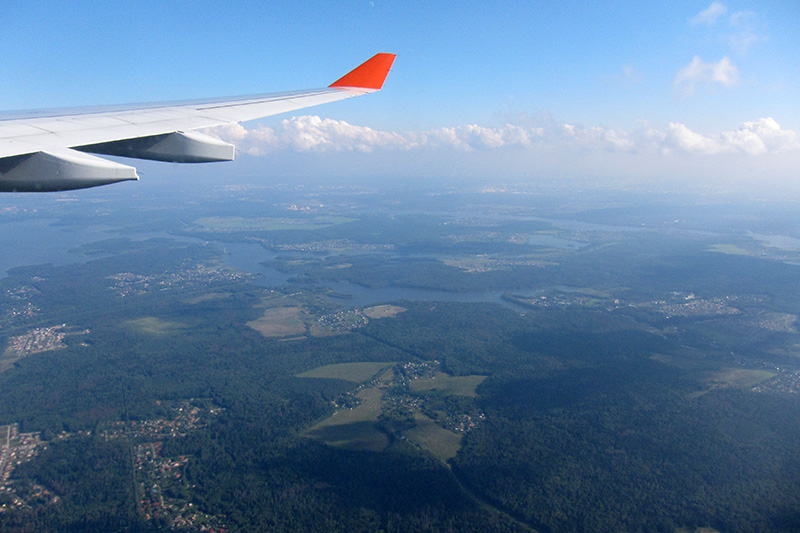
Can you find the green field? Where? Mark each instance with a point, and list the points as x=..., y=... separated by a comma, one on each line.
x=739, y=377
x=354, y=429
x=447, y=385
x=155, y=326
x=209, y=297
x=383, y=311
x=732, y=377
x=442, y=443
x=281, y=322
x=355, y=372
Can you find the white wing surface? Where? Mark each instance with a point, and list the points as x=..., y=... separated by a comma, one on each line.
x=49, y=150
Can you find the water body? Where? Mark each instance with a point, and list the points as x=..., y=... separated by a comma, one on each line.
x=580, y=225
x=248, y=257
x=359, y=296
x=37, y=242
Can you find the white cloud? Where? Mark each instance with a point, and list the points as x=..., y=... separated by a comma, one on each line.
x=709, y=15
x=744, y=34
x=534, y=147
x=724, y=72
x=309, y=134
x=619, y=140
x=473, y=137
x=740, y=34
x=313, y=134
x=698, y=72
x=680, y=137
x=763, y=136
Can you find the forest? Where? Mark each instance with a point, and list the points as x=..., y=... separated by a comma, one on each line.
x=631, y=383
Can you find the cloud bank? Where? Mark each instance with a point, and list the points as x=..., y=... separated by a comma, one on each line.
x=308, y=134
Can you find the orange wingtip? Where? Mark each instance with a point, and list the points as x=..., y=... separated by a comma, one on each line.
x=368, y=75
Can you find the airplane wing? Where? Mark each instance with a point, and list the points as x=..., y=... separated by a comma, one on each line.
x=50, y=150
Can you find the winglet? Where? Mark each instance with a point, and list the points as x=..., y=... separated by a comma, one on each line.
x=369, y=75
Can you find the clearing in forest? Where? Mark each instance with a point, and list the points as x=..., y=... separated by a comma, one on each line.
x=441, y=442
x=383, y=311
x=355, y=372
x=738, y=377
x=280, y=322
x=209, y=297
x=732, y=377
x=155, y=326
x=354, y=429
x=447, y=385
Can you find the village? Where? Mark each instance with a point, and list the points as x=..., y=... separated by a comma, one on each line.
x=153, y=472
x=129, y=284
x=17, y=448
x=40, y=340
x=787, y=382
x=160, y=487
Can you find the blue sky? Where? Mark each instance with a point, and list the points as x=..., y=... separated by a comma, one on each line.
x=518, y=90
